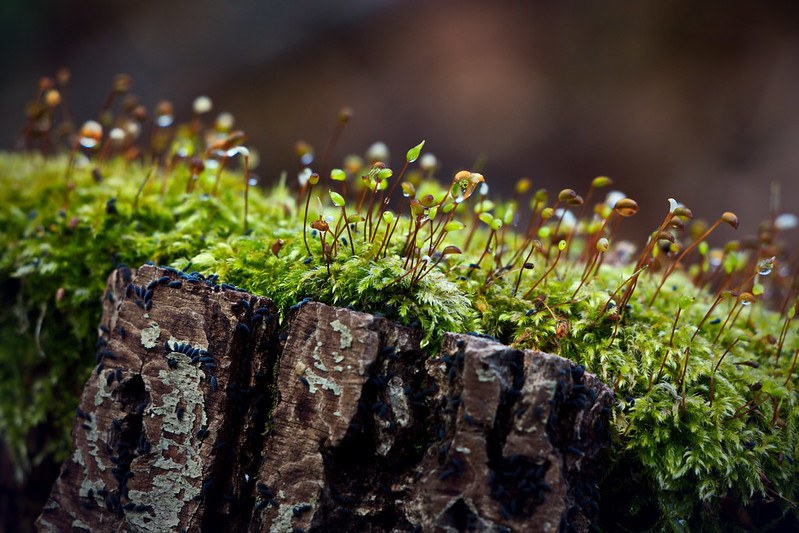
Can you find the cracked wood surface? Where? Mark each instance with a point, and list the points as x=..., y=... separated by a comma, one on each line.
x=201, y=416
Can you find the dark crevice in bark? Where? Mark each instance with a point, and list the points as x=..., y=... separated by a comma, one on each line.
x=227, y=492
x=263, y=399
x=218, y=484
x=516, y=481
x=126, y=441
x=560, y=423
x=460, y=517
x=572, y=397
x=354, y=471
x=446, y=411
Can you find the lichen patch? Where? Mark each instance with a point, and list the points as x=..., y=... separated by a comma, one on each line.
x=171, y=489
x=315, y=380
x=149, y=335
x=344, y=332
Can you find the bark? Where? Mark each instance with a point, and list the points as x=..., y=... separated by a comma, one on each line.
x=160, y=437
x=338, y=422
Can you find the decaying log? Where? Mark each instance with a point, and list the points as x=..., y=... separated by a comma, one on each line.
x=203, y=416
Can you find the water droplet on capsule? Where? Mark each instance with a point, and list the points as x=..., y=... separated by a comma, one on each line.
x=746, y=298
x=90, y=134
x=765, y=266
x=303, y=176
x=164, y=114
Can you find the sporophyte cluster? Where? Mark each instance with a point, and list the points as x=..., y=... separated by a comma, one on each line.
x=699, y=342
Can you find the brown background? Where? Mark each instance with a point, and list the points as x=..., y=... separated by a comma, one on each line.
x=696, y=100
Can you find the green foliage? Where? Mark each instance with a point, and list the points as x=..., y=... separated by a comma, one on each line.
x=706, y=404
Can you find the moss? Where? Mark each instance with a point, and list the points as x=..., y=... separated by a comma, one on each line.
x=699, y=435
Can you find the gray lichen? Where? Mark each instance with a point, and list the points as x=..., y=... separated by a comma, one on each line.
x=171, y=488
x=149, y=335
x=345, y=333
x=315, y=380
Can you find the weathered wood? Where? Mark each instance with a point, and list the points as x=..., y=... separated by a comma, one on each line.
x=156, y=430
x=518, y=436
x=483, y=436
x=369, y=434
x=343, y=405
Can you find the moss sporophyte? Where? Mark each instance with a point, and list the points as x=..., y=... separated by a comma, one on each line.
x=699, y=343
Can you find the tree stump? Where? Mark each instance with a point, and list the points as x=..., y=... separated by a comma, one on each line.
x=202, y=415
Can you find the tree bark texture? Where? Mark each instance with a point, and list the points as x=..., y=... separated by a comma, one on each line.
x=204, y=414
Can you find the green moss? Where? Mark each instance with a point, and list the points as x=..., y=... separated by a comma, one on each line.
x=691, y=451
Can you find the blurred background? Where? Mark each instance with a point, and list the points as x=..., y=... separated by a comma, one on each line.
x=696, y=100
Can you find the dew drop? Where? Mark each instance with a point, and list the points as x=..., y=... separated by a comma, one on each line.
x=746, y=298
x=613, y=197
x=303, y=176
x=90, y=134
x=238, y=150
x=765, y=266
x=183, y=150
x=88, y=142
x=164, y=121
x=133, y=129
x=567, y=218
x=786, y=221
